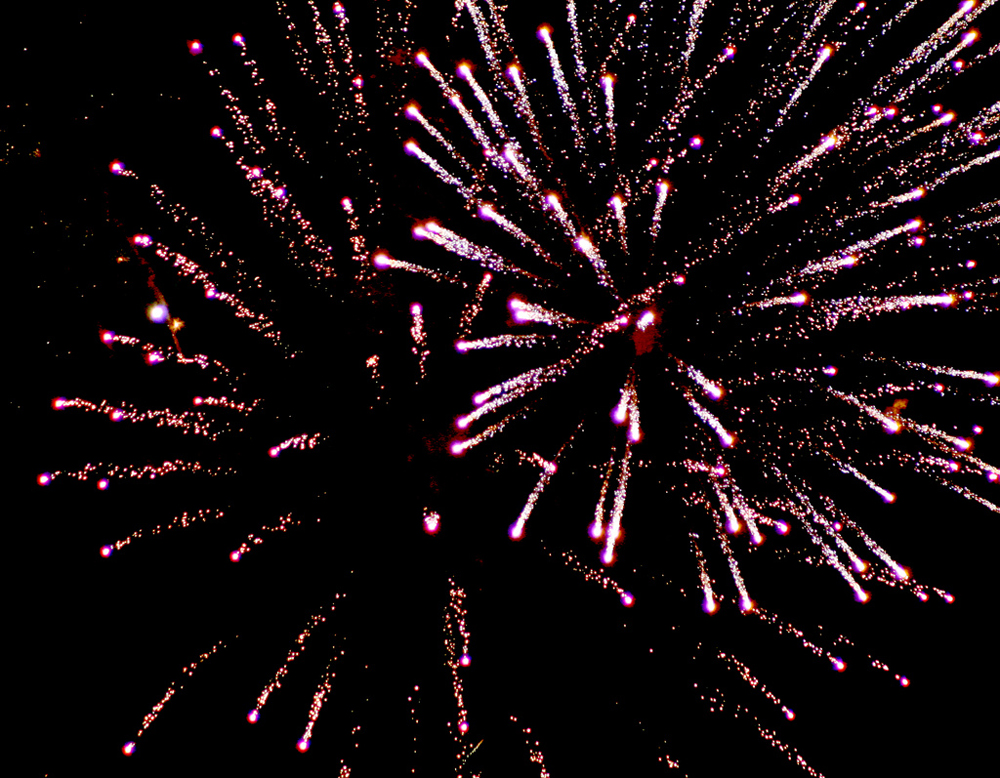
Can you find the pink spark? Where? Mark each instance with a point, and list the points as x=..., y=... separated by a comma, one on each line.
x=107, y=551
x=253, y=716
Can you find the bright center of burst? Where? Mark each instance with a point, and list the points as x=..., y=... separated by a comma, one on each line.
x=645, y=331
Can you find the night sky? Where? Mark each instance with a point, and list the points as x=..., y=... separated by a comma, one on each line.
x=94, y=643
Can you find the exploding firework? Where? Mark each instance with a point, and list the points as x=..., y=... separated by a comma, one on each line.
x=732, y=252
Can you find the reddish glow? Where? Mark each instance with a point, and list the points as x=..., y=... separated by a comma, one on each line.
x=463, y=727
x=839, y=664
x=237, y=39
x=234, y=556
x=696, y=142
x=116, y=167
x=627, y=599
x=103, y=484
x=129, y=748
x=515, y=531
x=904, y=681
x=432, y=523
x=194, y=47
x=44, y=479
x=302, y=745
x=465, y=660
x=253, y=716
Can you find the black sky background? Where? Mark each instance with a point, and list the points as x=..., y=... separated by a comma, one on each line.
x=94, y=643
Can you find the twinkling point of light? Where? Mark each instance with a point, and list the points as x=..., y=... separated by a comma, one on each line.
x=157, y=313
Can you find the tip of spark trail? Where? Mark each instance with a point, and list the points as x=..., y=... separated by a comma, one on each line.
x=129, y=748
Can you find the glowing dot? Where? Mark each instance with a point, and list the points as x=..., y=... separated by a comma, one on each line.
x=890, y=497
x=545, y=33
x=103, y=484
x=838, y=664
x=210, y=293
x=515, y=531
x=44, y=479
x=253, y=716
x=194, y=46
x=949, y=598
x=279, y=193
x=957, y=65
x=129, y=748
x=157, y=313
x=457, y=448
x=107, y=551
x=627, y=599
x=862, y=596
x=709, y=605
x=607, y=556
x=465, y=660
x=729, y=52
x=781, y=527
x=273, y=452
x=237, y=39
x=789, y=713
x=992, y=379
x=463, y=727
x=595, y=530
x=302, y=745
x=904, y=681
x=141, y=239
x=116, y=167
x=254, y=173
x=422, y=59
x=381, y=260
x=830, y=370
x=358, y=82
x=234, y=556
x=432, y=523
x=696, y=141
x=416, y=309
x=794, y=199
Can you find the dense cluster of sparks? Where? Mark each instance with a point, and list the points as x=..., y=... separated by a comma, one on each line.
x=641, y=304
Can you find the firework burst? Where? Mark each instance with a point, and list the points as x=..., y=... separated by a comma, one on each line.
x=707, y=274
